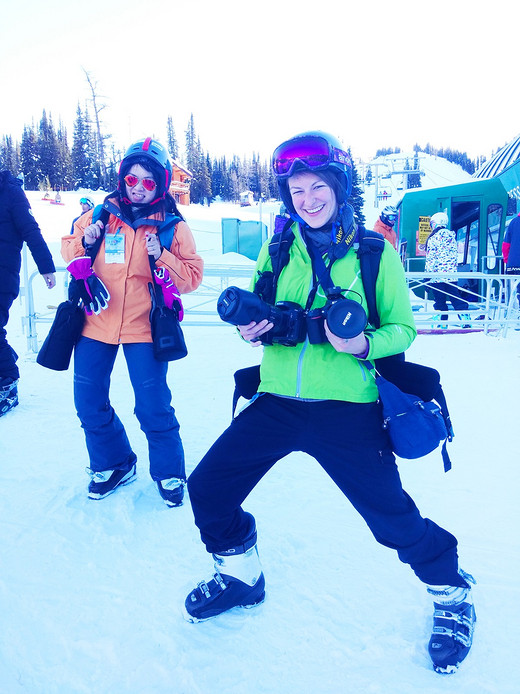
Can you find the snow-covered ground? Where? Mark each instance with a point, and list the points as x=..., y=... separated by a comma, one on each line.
x=91, y=592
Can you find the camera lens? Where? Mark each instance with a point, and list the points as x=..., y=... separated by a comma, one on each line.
x=346, y=318
x=240, y=307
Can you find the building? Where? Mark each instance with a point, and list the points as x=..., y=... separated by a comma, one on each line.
x=180, y=185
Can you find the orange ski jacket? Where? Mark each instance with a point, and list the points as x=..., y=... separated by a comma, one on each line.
x=127, y=317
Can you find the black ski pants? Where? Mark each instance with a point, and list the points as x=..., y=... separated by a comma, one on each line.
x=442, y=292
x=348, y=441
x=8, y=356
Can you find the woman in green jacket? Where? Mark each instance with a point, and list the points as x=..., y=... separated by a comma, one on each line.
x=318, y=395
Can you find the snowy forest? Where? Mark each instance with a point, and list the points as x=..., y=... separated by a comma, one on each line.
x=91, y=162
x=48, y=163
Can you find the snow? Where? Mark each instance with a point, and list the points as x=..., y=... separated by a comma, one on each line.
x=91, y=592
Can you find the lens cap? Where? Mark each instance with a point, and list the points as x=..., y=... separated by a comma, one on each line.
x=346, y=318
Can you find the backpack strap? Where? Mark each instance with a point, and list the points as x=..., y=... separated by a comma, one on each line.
x=279, y=249
x=441, y=399
x=371, y=245
x=165, y=229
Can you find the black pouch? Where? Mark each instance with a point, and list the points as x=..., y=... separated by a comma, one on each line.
x=65, y=331
x=167, y=335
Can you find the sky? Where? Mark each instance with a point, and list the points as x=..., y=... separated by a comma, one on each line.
x=383, y=74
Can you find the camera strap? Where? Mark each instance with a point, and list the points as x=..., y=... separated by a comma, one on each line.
x=321, y=271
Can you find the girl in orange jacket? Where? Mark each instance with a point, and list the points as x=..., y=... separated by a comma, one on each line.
x=138, y=209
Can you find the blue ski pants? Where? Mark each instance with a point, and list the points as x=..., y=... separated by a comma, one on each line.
x=107, y=443
x=348, y=441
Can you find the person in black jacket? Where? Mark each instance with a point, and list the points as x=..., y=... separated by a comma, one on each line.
x=17, y=224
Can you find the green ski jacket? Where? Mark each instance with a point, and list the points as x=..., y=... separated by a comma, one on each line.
x=318, y=371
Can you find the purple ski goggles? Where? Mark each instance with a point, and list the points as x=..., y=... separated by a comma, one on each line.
x=313, y=151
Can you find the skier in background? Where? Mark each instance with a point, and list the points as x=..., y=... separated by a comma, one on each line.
x=441, y=256
x=17, y=224
x=385, y=224
x=86, y=205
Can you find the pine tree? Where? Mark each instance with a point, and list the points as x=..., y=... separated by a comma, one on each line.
x=64, y=161
x=356, y=196
x=79, y=155
x=9, y=156
x=193, y=161
x=171, y=141
x=29, y=158
x=206, y=178
x=48, y=153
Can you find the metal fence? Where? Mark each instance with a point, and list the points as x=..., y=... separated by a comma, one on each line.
x=493, y=306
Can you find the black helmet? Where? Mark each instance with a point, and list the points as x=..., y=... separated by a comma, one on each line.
x=314, y=151
x=389, y=215
x=156, y=156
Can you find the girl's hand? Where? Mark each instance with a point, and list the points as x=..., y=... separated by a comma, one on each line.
x=153, y=245
x=93, y=232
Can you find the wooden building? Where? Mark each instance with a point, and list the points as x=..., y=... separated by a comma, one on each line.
x=180, y=185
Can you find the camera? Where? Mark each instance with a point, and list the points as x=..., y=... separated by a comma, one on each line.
x=240, y=307
x=346, y=318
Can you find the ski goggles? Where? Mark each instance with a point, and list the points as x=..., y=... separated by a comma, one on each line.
x=313, y=151
x=86, y=201
x=148, y=183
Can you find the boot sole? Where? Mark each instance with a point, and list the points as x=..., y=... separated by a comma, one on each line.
x=195, y=620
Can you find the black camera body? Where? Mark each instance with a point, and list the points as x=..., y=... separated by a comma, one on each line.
x=291, y=323
x=346, y=318
x=240, y=307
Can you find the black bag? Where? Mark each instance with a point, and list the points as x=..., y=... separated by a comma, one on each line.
x=65, y=331
x=167, y=335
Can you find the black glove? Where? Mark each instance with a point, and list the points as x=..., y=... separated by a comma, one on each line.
x=87, y=288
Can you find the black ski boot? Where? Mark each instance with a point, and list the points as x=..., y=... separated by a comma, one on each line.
x=8, y=395
x=453, y=625
x=238, y=581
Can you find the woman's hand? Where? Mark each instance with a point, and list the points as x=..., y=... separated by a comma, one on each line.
x=355, y=345
x=92, y=232
x=252, y=331
x=153, y=245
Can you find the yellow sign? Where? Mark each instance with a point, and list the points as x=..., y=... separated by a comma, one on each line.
x=422, y=235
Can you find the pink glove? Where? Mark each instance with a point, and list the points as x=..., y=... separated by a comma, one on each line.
x=172, y=297
x=89, y=288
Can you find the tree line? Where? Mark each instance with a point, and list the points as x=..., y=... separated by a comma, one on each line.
x=91, y=162
x=48, y=162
